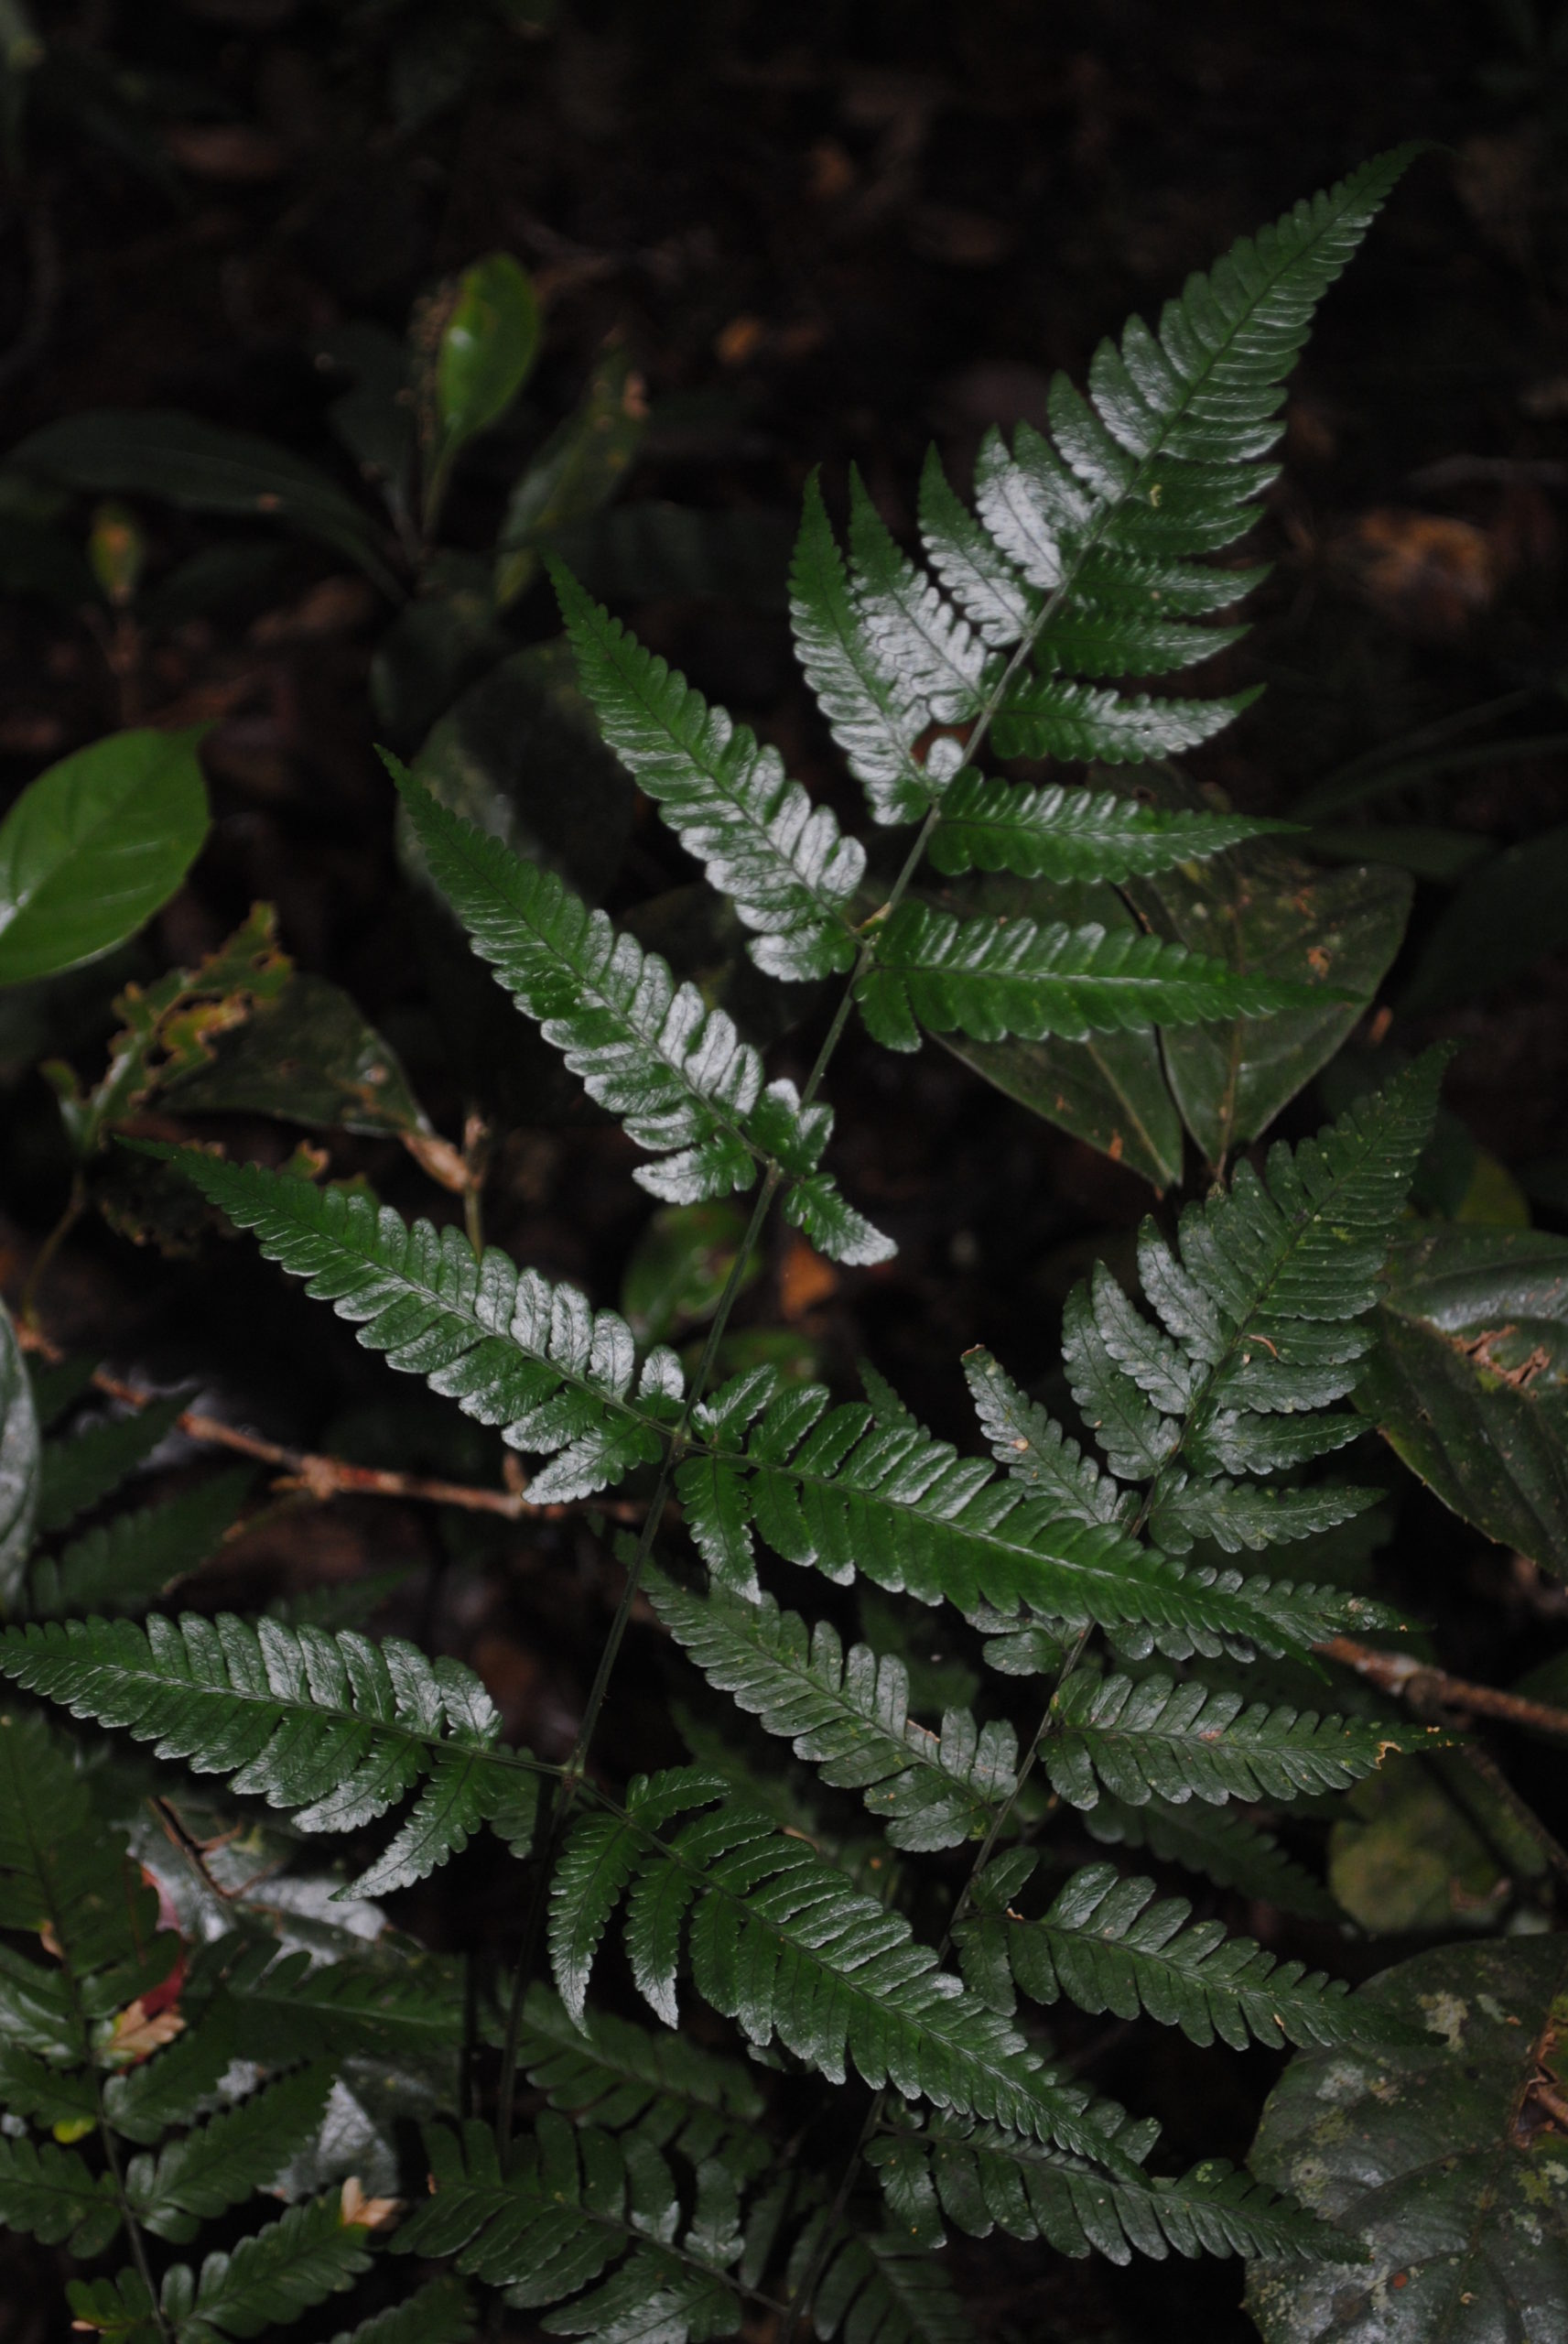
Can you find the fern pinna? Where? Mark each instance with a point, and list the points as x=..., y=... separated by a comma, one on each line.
x=1106, y=1572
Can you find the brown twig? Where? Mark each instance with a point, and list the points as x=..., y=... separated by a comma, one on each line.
x=1417, y=1682
x=324, y=1477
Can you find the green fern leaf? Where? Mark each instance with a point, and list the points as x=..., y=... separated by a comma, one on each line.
x=1162, y=460
x=781, y=1942
x=1034, y=1448
x=572, y=2206
x=831, y=1488
x=32, y=2087
x=876, y=2284
x=1107, y=1945
x=986, y=2179
x=1155, y=1739
x=440, y=2312
x=674, y=2093
x=990, y=978
x=847, y=1716
x=334, y=1727
x=1235, y=1516
x=1069, y=835
x=127, y=1563
x=121, y=2309
x=1221, y=1845
x=64, y=1874
x=782, y=861
x=513, y=1350
x=652, y=1052
x=51, y=2193
x=226, y=2161
x=271, y=2278
x=876, y=716
x=80, y=1471
x=1047, y=716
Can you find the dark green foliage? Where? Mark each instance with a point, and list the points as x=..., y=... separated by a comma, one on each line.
x=647, y=2183
x=334, y=1728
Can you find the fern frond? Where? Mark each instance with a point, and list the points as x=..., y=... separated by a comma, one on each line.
x=674, y=2093
x=557, y=1376
x=650, y=1051
x=783, y=861
x=1238, y=1515
x=848, y=1716
x=1047, y=716
x=334, y=1727
x=440, y=2312
x=1222, y=1846
x=781, y=1942
x=575, y=2206
x=127, y=1563
x=122, y=2310
x=875, y=2283
x=81, y=1469
x=831, y=1488
x=985, y=2179
x=66, y=1878
x=1156, y=1739
x=224, y=2162
x=1034, y=1448
x=876, y=715
x=51, y=2195
x=273, y=2277
x=1107, y=1945
x=990, y=978
x=1070, y=834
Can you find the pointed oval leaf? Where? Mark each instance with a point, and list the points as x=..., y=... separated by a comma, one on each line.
x=94, y=847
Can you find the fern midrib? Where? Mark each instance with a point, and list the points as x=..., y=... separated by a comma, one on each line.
x=652, y=1043
x=1191, y=1601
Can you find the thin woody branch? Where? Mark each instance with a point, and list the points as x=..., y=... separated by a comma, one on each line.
x=1424, y=1686
x=325, y=1478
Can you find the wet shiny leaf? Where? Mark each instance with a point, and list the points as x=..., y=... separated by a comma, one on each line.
x=1470, y=1382
x=94, y=847
x=1444, y=2166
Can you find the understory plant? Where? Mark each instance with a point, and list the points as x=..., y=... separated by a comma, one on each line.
x=841, y=2056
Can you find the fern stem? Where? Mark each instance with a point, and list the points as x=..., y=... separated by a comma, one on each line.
x=811, y=2278
x=566, y=1793
x=133, y=2238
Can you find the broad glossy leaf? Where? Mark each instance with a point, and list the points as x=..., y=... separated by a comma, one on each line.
x=1443, y=2167
x=1505, y=917
x=1110, y=1090
x=490, y=339
x=1469, y=1380
x=578, y=470
x=19, y=1462
x=307, y=1057
x=1267, y=915
x=94, y=847
x=202, y=466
